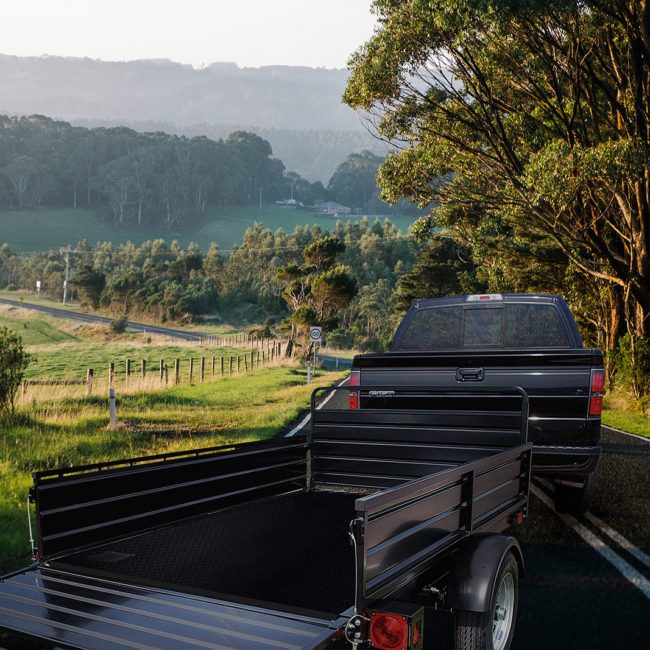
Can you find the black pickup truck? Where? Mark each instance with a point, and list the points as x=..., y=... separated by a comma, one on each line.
x=496, y=340
x=360, y=535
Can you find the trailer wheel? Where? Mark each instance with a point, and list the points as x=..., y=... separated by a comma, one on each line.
x=574, y=499
x=494, y=629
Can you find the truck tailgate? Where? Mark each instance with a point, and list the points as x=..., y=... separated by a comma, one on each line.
x=557, y=383
x=77, y=611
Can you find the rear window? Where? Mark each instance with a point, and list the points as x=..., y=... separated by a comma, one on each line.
x=516, y=325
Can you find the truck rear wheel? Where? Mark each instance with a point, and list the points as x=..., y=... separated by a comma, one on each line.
x=574, y=499
x=494, y=629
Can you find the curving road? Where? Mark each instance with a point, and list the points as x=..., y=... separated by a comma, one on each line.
x=102, y=320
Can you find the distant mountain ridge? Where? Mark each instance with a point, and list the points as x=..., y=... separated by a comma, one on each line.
x=184, y=99
x=272, y=96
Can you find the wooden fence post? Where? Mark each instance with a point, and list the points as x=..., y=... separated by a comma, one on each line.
x=221, y=366
x=191, y=369
x=177, y=371
x=252, y=359
x=162, y=370
x=143, y=370
x=230, y=365
x=202, y=368
x=214, y=364
x=238, y=364
x=111, y=373
x=258, y=357
x=89, y=380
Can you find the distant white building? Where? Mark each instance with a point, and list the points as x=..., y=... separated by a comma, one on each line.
x=332, y=207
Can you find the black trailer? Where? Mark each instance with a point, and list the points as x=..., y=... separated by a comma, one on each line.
x=353, y=536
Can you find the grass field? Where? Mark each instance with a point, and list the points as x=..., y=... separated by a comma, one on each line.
x=65, y=349
x=64, y=432
x=627, y=420
x=45, y=229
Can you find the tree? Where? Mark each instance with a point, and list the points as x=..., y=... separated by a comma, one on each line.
x=90, y=284
x=535, y=113
x=317, y=290
x=13, y=363
x=353, y=182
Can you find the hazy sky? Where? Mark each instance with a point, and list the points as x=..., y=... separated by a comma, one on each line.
x=248, y=32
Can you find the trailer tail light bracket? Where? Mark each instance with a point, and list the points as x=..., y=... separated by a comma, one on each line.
x=397, y=626
x=596, y=390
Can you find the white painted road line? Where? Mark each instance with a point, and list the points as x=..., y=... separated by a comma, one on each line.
x=624, y=568
x=625, y=433
x=614, y=535
x=307, y=417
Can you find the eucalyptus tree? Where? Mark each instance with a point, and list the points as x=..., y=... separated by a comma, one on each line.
x=537, y=114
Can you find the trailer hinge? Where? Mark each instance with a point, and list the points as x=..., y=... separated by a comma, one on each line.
x=356, y=531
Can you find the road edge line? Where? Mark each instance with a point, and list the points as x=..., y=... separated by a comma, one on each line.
x=608, y=531
x=632, y=575
x=626, y=433
x=307, y=417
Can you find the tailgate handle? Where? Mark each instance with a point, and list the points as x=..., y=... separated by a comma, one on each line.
x=469, y=374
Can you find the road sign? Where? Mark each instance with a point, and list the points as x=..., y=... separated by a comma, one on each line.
x=315, y=334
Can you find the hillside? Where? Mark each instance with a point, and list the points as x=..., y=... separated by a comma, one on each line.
x=185, y=100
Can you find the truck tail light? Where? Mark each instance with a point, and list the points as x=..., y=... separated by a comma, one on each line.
x=388, y=631
x=400, y=629
x=596, y=392
x=355, y=380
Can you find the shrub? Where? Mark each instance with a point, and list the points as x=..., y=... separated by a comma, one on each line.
x=118, y=326
x=13, y=363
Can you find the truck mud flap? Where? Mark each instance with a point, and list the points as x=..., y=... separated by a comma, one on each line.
x=73, y=611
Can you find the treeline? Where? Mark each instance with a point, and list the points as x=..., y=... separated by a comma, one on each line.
x=156, y=178
x=138, y=177
x=170, y=283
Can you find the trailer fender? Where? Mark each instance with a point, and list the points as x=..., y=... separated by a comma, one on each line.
x=476, y=567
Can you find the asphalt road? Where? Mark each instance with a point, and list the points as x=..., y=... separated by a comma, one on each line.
x=90, y=318
x=587, y=582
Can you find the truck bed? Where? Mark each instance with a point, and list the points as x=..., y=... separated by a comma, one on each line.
x=245, y=554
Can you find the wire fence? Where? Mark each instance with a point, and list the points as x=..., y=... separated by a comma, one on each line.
x=134, y=375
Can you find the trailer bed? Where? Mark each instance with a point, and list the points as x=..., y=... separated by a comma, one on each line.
x=245, y=553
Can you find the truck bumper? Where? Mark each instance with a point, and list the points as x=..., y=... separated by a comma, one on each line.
x=565, y=462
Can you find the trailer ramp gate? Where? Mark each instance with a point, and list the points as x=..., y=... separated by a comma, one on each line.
x=75, y=611
x=441, y=467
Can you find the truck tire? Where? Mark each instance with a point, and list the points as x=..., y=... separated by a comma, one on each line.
x=494, y=629
x=574, y=499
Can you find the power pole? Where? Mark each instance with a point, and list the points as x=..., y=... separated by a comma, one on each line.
x=66, y=252
x=67, y=273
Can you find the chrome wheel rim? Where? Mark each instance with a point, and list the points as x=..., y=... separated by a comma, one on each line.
x=503, y=612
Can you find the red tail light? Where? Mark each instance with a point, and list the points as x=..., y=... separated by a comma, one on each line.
x=597, y=381
x=596, y=396
x=596, y=405
x=388, y=631
x=355, y=380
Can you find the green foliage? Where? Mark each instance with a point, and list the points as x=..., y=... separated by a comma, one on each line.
x=90, y=284
x=13, y=363
x=526, y=123
x=632, y=363
x=136, y=178
x=119, y=325
x=442, y=269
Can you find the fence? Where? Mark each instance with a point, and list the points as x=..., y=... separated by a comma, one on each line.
x=135, y=375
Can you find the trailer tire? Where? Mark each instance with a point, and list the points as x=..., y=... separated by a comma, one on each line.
x=574, y=499
x=482, y=630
